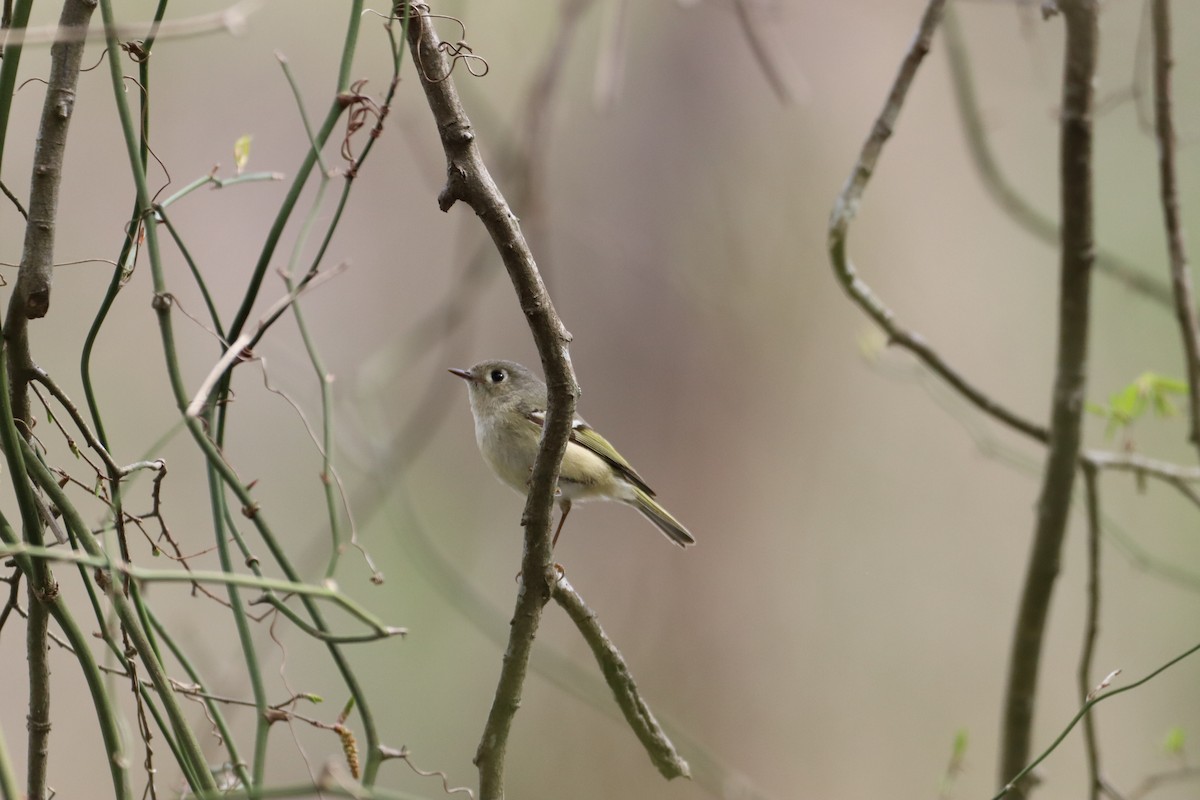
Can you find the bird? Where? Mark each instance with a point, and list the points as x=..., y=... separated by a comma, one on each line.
x=508, y=402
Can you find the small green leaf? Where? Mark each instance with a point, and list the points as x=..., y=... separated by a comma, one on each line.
x=1148, y=390
x=1170, y=385
x=960, y=744
x=1173, y=743
x=1127, y=404
x=241, y=152
x=958, y=752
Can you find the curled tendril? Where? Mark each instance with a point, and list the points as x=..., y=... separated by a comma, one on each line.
x=362, y=111
x=404, y=755
x=457, y=51
x=136, y=50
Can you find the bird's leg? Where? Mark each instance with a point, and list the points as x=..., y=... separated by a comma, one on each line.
x=565, y=505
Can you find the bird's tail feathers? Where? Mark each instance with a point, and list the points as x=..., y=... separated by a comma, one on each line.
x=661, y=518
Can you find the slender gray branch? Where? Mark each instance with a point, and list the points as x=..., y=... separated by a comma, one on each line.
x=1070, y=384
x=1181, y=280
x=1141, y=465
x=468, y=180
x=31, y=298
x=41, y=376
x=1175, y=476
x=658, y=746
x=845, y=209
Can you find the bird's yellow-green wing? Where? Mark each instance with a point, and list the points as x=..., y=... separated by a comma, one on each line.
x=583, y=435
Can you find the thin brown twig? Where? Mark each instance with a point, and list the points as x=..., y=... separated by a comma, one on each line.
x=73, y=413
x=1091, y=627
x=144, y=731
x=845, y=208
x=239, y=349
x=1181, y=280
x=333, y=473
x=54, y=637
x=14, y=200
x=14, y=596
x=404, y=755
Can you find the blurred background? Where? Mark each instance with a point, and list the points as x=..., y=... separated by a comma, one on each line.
x=862, y=533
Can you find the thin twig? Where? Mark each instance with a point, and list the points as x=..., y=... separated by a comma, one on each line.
x=1012, y=787
x=1070, y=385
x=1091, y=627
x=41, y=376
x=1175, y=476
x=1141, y=465
x=1181, y=280
x=237, y=349
x=468, y=180
x=14, y=200
x=658, y=746
x=404, y=755
x=846, y=207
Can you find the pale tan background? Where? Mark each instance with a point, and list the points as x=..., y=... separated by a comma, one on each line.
x=848, y=607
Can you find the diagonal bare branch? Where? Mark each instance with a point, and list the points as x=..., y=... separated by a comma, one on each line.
x=845, y=209
x=658, y=746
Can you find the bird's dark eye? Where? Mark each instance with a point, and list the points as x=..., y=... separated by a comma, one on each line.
x=498, y=375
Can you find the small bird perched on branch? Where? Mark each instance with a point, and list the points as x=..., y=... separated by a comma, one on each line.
x=509, y=405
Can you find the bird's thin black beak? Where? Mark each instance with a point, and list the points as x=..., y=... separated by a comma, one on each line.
x=462, y=373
